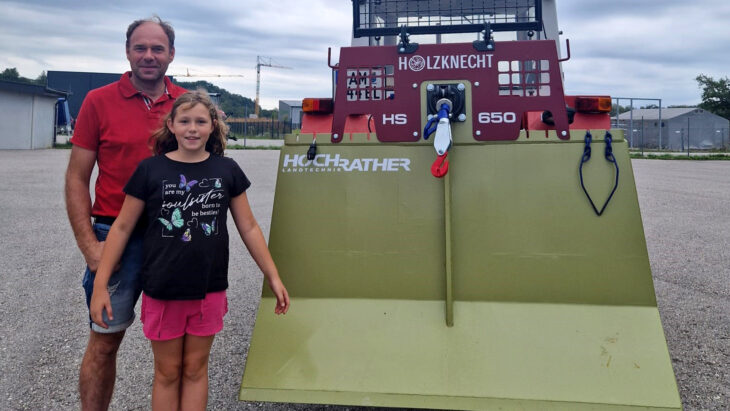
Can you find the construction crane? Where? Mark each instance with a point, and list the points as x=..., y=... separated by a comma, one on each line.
x=187, y=74
x=265, y=62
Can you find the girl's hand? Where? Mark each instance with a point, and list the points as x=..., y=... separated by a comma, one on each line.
x=100, y=301
x=282, y=297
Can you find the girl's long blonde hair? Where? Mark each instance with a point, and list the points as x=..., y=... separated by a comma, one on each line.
x=163, y=140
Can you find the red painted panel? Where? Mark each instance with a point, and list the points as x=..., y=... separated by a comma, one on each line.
x=518, y=76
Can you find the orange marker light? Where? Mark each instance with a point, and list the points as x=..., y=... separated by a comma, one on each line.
x=317, y=105
x=593, y=104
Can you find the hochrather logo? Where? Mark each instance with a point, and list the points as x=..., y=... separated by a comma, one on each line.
x=445, y=62
x=334, y=163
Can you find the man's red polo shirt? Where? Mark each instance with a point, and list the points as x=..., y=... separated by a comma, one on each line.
x=116, y=122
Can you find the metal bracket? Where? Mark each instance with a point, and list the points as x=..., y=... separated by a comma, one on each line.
x=567, y=48
x=405, y=46
x=456, y=95
x=488, y=43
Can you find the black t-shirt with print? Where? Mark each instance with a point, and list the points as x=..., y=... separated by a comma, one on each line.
x=186, y=240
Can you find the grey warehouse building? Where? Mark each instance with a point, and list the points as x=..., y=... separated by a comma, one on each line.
x=699, y=128
x=290, y=111
x=77, y=84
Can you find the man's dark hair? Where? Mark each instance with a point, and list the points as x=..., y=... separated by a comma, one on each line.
x=166, y=27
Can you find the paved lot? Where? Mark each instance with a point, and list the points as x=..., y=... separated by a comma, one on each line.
x=685, y=207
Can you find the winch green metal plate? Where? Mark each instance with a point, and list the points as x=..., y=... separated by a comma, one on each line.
x=400, y=353
x=554, y=306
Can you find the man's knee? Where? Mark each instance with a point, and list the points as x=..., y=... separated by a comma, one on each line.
x=104, y=345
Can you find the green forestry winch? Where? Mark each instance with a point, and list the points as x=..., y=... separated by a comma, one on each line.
x=513, y=274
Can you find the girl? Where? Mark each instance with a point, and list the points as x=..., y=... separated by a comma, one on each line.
x=184, y=192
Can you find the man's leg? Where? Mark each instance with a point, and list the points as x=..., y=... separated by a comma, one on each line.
x=99, y=366
x=98, y=370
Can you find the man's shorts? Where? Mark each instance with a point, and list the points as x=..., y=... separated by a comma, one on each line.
x=169, y=319
x=124, y=285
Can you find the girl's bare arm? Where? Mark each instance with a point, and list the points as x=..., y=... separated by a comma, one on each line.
x=254, y=240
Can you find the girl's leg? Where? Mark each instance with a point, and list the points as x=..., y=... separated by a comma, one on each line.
x=194, y=391
x=168, y=372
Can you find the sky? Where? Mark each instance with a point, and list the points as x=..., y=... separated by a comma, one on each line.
x=623, y=48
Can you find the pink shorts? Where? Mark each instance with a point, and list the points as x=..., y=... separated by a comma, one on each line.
x=169, y=319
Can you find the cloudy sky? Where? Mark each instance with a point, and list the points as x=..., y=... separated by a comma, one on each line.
x=626, y=48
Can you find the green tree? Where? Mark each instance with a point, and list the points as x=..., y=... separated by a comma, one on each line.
x=10, y=74
x=715, y=95
x=42, y=79
x=620, y=109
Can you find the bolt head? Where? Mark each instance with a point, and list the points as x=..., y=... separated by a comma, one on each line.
x=336, y=136
x=415, y=85
x=429, y=87
x=564, y=133
x=462, y=117
x=460, y=86
x=415, y=134
x=479, y=133
x=476, y=84
x=402, y=50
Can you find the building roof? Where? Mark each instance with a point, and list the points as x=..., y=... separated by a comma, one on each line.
x=292, y=103
x=653, y=113
x=28, y=88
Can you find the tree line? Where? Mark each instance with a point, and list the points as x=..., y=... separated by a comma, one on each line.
x=11, y=74
x=234, y=105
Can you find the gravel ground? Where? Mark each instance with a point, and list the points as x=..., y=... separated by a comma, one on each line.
x=43, y=326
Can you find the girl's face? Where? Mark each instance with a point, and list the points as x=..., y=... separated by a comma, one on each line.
x=192, y=127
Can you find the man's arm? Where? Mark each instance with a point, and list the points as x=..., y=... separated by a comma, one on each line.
x=78, y=204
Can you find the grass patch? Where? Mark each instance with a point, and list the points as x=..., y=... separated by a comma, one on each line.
x=63, y=145
x=241, y=137
x=253, y=148
x=681, y=156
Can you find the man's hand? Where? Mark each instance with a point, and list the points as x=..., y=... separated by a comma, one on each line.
x=100, y=301
x=92, y=255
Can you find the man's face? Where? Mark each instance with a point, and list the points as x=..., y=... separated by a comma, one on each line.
x=149, y=52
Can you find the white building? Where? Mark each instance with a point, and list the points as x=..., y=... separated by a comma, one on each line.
x=27, y=115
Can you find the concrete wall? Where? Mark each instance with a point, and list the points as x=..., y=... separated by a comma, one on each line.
x=26, y=121
x=43, y=127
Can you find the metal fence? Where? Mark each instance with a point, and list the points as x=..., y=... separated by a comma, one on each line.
x=258, y=128
x=676, y=138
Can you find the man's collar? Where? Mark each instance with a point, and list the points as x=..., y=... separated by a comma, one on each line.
x=128, y=90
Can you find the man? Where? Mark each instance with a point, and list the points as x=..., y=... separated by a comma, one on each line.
x=113, y=130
